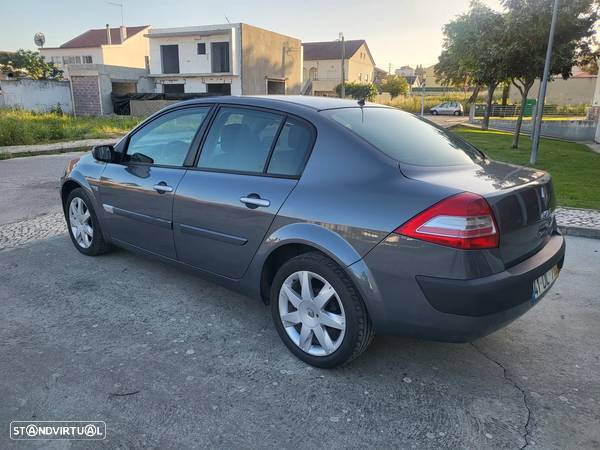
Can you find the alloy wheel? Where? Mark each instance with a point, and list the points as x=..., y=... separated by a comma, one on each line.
x=311, y=313
x=81, y=222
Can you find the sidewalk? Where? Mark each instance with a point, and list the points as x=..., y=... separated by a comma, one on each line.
x=55, y=147
x=579, y=222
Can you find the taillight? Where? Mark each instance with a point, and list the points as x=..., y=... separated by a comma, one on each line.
x=464, y=221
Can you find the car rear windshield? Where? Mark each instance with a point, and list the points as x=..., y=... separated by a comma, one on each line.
x=405, y=137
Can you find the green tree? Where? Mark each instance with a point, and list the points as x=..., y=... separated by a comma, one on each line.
x=30, y=64
x=528, y=24
x=395, y=85
x=474, y=52
x=367, y=91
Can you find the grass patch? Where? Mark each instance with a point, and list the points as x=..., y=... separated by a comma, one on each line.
x=575, y=169
x=27, y=128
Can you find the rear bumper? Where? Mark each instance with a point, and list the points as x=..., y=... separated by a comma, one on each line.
x=401, y=301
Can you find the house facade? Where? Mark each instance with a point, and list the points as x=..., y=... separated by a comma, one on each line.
x=230, y=59
x=123, y=46
x=323, y=65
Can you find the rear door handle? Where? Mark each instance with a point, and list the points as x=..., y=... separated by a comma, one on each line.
x=162, y=187
x=253, y=202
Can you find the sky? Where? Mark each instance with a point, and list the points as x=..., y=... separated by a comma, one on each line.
x=398, y=32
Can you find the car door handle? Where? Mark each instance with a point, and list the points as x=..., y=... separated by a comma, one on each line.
x=253, y=202
x=162, y=188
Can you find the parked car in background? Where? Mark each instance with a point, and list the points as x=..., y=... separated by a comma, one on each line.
x=349, y=219
x=448, y=108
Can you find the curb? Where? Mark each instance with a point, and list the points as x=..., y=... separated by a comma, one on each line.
x=56, y=147
x=569, y=230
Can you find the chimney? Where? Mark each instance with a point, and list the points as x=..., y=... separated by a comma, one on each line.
x=123, y=30
x=108, y=40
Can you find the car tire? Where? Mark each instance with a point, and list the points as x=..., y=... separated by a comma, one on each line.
x=345, y=306
x=434, y=113
x=83, y=224
x=457, y=113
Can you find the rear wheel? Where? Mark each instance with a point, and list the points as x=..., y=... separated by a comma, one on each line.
x=318, y=312
x=434, y=112
x=457, y=113
x=83, y=224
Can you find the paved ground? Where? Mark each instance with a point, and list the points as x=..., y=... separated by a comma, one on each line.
x=171, y=361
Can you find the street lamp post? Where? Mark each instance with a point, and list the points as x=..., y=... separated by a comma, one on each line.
x=343, y=90
x=539, y=110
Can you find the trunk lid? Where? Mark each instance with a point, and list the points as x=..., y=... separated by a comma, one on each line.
x=522, y=199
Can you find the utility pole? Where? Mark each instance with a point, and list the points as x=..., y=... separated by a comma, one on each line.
x=539, y=110
x=423, y=96
x=343, y=93
x=389, y=68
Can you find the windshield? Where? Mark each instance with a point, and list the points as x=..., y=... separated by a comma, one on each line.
x=405, y=137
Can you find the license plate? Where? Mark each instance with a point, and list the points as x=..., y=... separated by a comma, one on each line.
x=543, y=283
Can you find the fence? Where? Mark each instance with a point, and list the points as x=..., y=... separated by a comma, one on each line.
x=571, y=111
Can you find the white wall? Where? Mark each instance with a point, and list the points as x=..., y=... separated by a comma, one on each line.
x=94, y=52
x=194, y=85
x=35, y=95
x=189, y=60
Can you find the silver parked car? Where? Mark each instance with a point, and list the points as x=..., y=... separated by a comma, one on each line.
x=348, y=219
x=451, y=108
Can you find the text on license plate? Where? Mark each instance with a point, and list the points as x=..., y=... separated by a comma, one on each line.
x=541, y=284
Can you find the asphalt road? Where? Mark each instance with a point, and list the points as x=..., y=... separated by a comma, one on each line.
x=169, y=360
x=29, y=186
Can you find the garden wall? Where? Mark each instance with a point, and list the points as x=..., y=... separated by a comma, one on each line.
x=36, y=95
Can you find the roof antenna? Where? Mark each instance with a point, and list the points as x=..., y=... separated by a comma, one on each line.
x=227, y=20
x=361, y=103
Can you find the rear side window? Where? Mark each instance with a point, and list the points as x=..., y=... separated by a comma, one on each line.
x=405, y=137
x=291, y=149
x=239, y=140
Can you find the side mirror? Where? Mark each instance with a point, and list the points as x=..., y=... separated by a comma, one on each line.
x=104, y=153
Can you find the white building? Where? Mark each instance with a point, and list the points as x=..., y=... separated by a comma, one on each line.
x=123, y=46
x=231, y=59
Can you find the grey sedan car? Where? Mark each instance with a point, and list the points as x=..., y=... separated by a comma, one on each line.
x=348, y=219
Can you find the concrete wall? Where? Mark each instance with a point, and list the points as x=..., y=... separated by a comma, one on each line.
x=35, y=95
x=269, y=55
x=144, y=108
x=573, y=91
x=571, y=130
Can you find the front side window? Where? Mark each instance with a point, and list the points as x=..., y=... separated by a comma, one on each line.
x=239, y=140
x=167, y=139
x=406, y=138
x=292, y=147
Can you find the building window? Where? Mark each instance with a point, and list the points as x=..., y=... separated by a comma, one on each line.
x=219, y=57
x=312, y=73
x=87, y=59
x=71, y=60
x=201, y=47
x=176, y=88
x=218, y=88
x=169, y=56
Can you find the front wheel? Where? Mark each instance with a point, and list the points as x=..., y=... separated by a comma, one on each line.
x=434, y=112
x=83, y=224
x=457, y=113
x=318, y=312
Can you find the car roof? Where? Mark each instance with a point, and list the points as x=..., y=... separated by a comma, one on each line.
x=280, y=101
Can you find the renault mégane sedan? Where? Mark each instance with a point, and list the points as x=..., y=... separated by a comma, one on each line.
x=347, y=218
